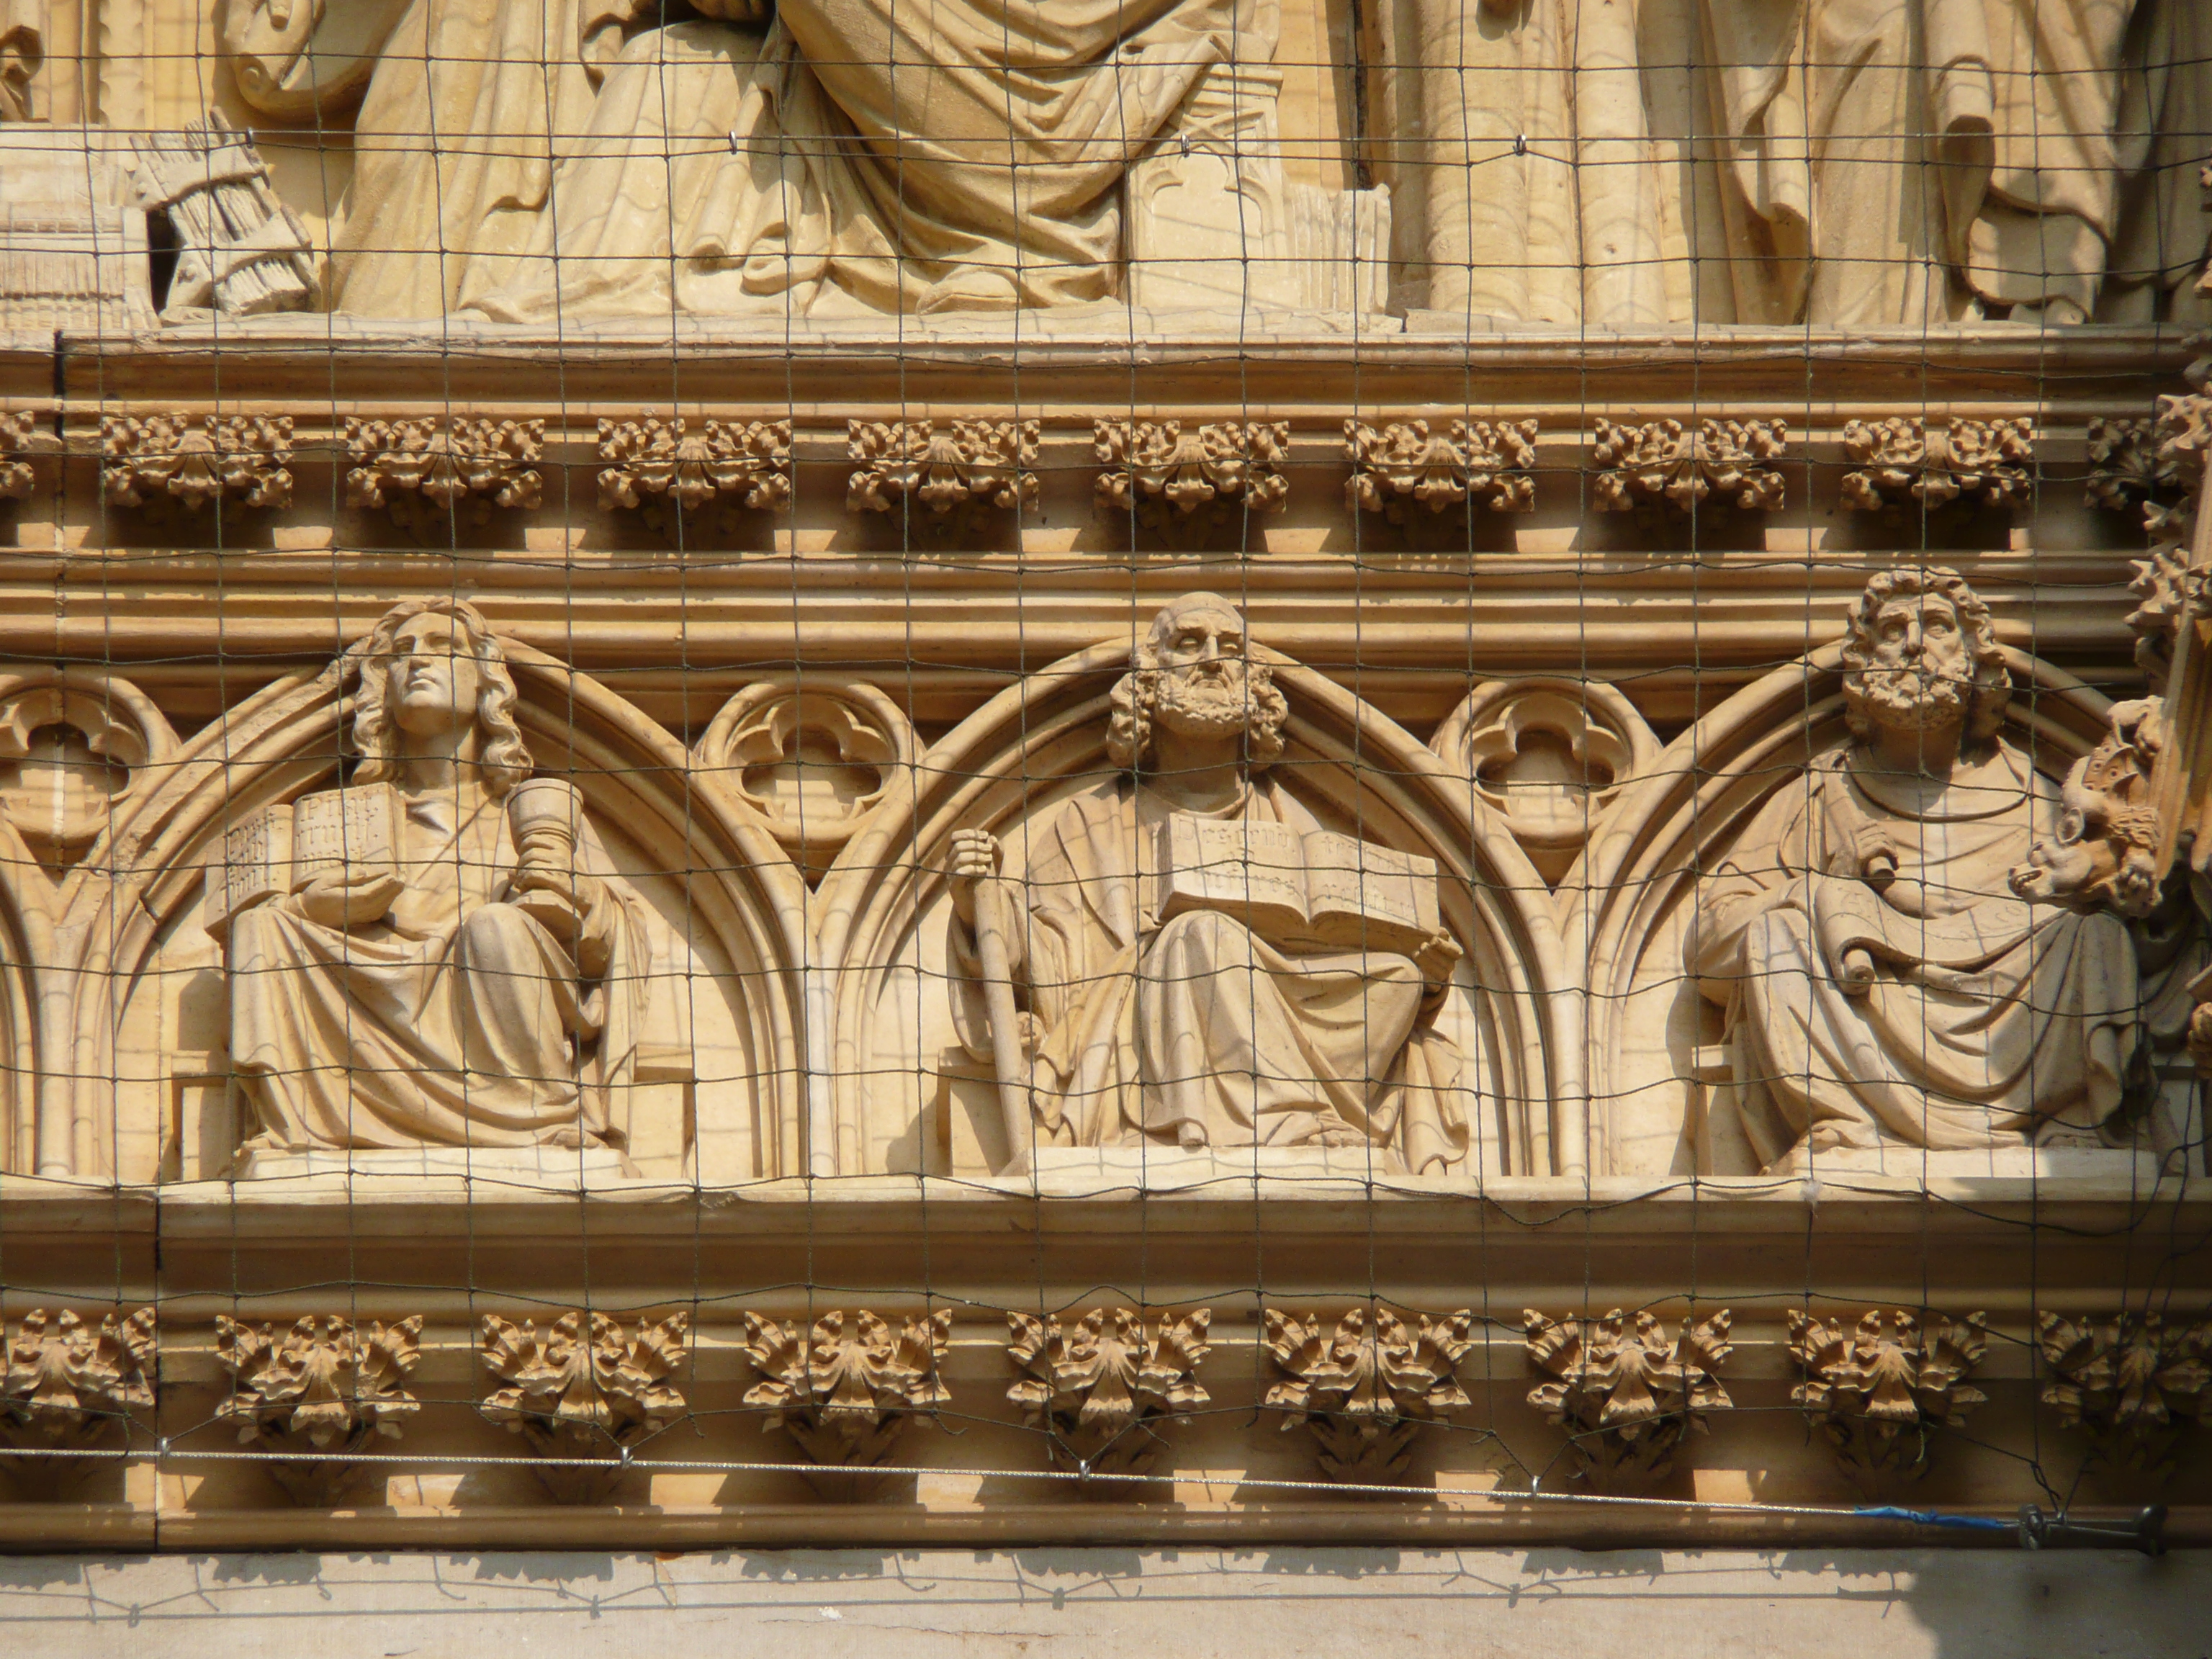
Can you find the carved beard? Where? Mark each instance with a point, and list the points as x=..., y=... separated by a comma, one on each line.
x=1191, y=707
x=1914, y=699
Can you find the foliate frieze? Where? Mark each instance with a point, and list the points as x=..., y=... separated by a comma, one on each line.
x=1161, y=469
x=2134, y=1381
x=1665, y=463
x=1879, y=1389
x=1628, y=1397
x=428, y=469
x=941, y=466
x=68, y=1381
x=845, y=1390
x=195, y=460
x=2125, y=468
x=1440, y=464
x=18, y=430
x=1098, y=1384
x=584, y=1387
x=1364, y=1390
x=652, y=463
x=1983, y=463
x=324, y=1387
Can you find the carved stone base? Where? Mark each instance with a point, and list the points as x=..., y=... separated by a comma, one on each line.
x=565, y=1167
x=2103, y=1164
x=1077, y=1170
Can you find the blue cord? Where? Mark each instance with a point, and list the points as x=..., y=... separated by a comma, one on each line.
x=1937, y=1518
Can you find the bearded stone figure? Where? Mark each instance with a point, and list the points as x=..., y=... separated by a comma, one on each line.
x=1883, y=983
x=465, y=973
x=1202, y=1028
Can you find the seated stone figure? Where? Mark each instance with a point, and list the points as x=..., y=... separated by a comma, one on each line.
x=1883, y=982
x=1202, y=1029
x=454, y=989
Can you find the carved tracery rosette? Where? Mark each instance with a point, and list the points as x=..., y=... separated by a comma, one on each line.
x=1550, y=755
x=810, y=756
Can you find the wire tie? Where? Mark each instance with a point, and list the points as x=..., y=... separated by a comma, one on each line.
x=1520, y=143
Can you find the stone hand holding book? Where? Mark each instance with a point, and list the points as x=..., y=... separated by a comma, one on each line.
x=354, y=831
x=1314, y=888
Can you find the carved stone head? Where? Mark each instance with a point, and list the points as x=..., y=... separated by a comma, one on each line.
x=1921, y=655
x=1192, y=671
x=427, y=664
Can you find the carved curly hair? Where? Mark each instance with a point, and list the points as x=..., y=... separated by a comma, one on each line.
x=505, y=758
x=1993, y=680
x=1135, y=695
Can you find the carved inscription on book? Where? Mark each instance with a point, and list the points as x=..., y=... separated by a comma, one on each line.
x=1312, y=887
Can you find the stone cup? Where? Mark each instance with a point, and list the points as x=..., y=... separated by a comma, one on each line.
x=546, y=819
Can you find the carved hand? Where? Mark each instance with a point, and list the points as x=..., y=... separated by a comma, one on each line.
x=975, y=857
x=337, y=899
x=1438, y=955
x=1874, y=854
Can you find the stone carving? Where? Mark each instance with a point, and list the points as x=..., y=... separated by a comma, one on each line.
x=2133, y=1382
x=322, y=1387
x=1662, y=463
x=443, y=958
x=241, y=458
x=840, y=177
x=1364, y=1392
x=967, y=464
x=1879, y=1390
x=66, y=1382
x=1439, y=466
x=1550, y=756
x=1628, y=1399
x=22, y=54
x=426, y=471
x=844, y=1395
x=2103, y=854
x=1159, y=470
x=2183, y=432
x=2126, y=468
x=656, y=465
x=1986, y=462
x=18, y=428
x=240, y=251
x=1219, y=1022
x=75, y=749
x=1831, y=931
x=585, y=1388
x=1910, y=164
x=811, y=756
x=1097, y=1391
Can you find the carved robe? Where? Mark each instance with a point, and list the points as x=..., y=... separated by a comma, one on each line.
x=458, y=1020
x=961, y=156
x=468, y=104
x=1990, y=1021
x=22, y=52
x=1199, y=1023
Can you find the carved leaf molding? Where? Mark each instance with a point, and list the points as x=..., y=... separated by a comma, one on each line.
x=844, y=1392
x=744, y=464
x=195, y=460
x=584, y=1388
x=2133, y=1380
x=958, y=463
x=1990, y=463
x=324, y=1386
x=1439, y=466
x=18, y=433
x=1096, y=1384
x=422, y=470
x=66, y=1380
x=1364, y=1392
x=1664, y=463
x=1879, y=1389
x=1628, y=1396
x=1186, y=468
